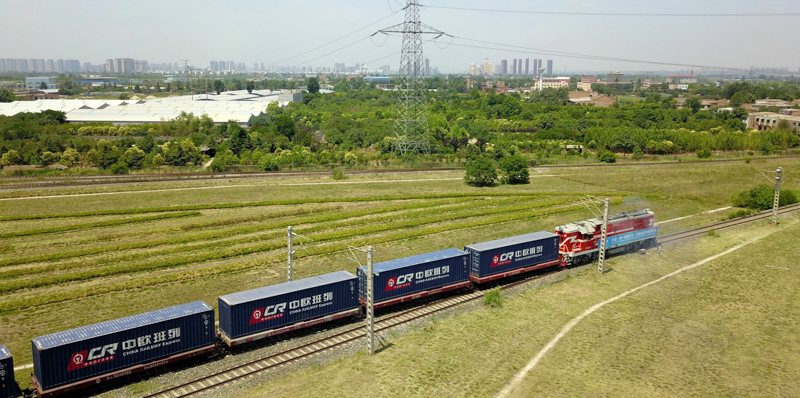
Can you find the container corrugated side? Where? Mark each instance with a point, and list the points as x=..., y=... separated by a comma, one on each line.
x=8, y=387
x=488, y=259
x=287, y=304
x=78, y=354
x=416, y=274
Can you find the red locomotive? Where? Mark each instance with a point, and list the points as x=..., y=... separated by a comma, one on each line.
x=580, y=240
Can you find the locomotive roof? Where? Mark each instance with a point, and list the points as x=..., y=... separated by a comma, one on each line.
x=117, y=325
x=413, y=260
x=287, y=287
x=494, y=244
x=589, y=226
x=4, y=352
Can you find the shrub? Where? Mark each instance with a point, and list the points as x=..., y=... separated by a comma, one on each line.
x=739, y=213
x=515, y=169
x=607, y=157
x=493, y=299
x=481, y=173
x=119, y=168
x=268, y=163
x=704, y=153
x=638, y=153
x=747, y=160
x=338, y=175
x=761, y=197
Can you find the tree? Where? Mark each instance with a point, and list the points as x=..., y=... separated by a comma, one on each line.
x=284, y=125
x=10, y=158
x=119, y=168
x=693, y=103
x=313, y=85
x=268, y=163
x=238, y=138
x=223, y=161
x=49, y=158
x=158, y=160
x=108, y=154
x=133, y=157
x=7, y=96
x=481, y=173
x=70, y=157
x=43, y=86
x=761, y=197
x=137, y=89
x=219, y=86
x=515, y=169
x=250, y=86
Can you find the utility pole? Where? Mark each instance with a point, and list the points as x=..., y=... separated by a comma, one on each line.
x=601, y=259
x=291, y=253
x=370, y=302
x=776, y=203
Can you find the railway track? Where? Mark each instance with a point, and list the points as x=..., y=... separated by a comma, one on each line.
x=77, y=181
x=356, y=333
x=725, y=224
x=27, y=182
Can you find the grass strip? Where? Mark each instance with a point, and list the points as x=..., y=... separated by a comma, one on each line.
x=217, y=206
x=98, y=224
x=19, y=304
x=209, y=235
x=219, y=244
x=221, y=254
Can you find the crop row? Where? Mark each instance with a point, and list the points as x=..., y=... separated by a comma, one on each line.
x=18, y=304
x=217, y=206
x=209, y=235
x=98, y=224
x=221, y=253
x=226, y=243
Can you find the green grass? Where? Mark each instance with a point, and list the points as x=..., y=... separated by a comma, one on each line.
x=727, y=328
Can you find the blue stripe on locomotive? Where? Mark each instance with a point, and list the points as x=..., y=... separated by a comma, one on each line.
x=633, y=236
x=501, y=255
x=7, y=385
x=78, y=354
x=409, y=275
x=271, y=307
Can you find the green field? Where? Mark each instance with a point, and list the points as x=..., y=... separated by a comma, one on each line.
x=76, y=256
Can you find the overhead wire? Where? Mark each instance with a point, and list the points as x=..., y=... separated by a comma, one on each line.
x=623, y=14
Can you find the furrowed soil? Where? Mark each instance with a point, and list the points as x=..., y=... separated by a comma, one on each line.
x=70, y=261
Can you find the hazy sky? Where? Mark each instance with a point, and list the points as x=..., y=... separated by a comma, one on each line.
x=277, y=32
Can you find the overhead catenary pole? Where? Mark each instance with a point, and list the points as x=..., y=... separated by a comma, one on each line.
x=601, y=259
x=370, y=303
x=291, y=253
x=776, y=202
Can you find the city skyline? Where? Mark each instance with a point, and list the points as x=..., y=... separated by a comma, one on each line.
x=681, y=40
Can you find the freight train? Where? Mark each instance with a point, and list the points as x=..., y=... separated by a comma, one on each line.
x=91, y=355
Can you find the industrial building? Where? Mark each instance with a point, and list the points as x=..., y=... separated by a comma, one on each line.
x=34, y=83
x=237, y=106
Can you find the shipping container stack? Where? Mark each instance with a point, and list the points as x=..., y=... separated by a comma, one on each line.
x=505, y=257
x=8, y=386
x=271, y=310
x=72, y=359
x=412, y=277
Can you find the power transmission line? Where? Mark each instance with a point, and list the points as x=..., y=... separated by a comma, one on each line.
x=626, y=14
x=541, y=51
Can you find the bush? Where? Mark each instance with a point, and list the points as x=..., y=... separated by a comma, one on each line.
x=493, y=299
x=338, y=175
x=761, y=198
x=515, y=169
x=268, y=163
x=480, y=173
x=740, y=213
x=119, y=168
x=704, y=153
x=607, y=157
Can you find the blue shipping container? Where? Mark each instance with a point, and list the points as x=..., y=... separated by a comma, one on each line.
x=8, y=388
x=624, y=239
x=493, y=257
x=271, y=307
x=82, y=353
x=409, y=275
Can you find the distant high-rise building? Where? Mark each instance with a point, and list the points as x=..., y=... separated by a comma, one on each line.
x=504, y=67
x=527, y=66
x=60, y=66
x=50, y=66
x=427, y=67
x=471, y=68
x=550, y=67
x=213, y=66
x=514, y=68
x=262, y=67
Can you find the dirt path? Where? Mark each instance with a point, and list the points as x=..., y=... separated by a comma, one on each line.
x=692, y=215
x=520, y=376
x=206, y=165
